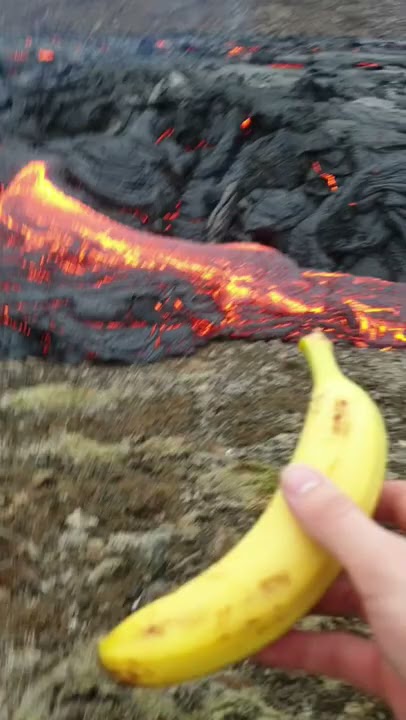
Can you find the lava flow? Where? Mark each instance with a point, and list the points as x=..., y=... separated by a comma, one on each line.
x=76, y=285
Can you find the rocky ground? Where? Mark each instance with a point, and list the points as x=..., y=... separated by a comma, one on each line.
x=379, y=18
x=121, y=482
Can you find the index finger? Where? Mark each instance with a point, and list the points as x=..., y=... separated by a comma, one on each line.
x=337, y=655
x=340, y=600
x=391, y=508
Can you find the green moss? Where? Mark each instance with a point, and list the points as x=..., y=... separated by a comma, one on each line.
x=174, y=446
x=248, y=482
x=83, y=450
x=241, y=704
x=156, y=705
x=264, y=477
x=53, y=397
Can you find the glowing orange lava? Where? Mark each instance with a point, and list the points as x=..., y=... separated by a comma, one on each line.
x=258, y=292
x=329, y=178
x=236, y=51
x=45, y=55
x=246, y=124
x=287, y=66
x=369, y=65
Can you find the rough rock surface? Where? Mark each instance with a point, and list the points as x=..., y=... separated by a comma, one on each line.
x=117, y=484
x=379, y=18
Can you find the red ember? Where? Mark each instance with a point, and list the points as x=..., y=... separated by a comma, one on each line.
x=328, y=177
x=45, y=55
x=236, y=51
x=287, y=66
x=246, y=124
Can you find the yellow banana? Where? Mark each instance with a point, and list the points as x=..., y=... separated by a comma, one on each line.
x=275, y=574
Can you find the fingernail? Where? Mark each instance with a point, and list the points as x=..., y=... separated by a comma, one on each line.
x=297, y=480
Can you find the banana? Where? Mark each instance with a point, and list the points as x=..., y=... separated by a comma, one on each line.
x=275, y=574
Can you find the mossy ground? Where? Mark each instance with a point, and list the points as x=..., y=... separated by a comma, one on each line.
x=185, y=452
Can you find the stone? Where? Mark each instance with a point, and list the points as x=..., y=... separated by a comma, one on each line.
x=175, y=84
x=154, y=590
x=25, y=660
x=42, y=477
x=20, y=499
x=224, y=539
x=94, y=549
x=148, y=549
x=5, y=594
x=105, y=570
x=78, y=520
x=73, y=539
x=188, y=526
x=48, y=586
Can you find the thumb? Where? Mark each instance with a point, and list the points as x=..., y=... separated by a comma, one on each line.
x=330, y=518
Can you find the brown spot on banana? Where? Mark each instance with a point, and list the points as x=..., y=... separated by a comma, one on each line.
x=223, y=613
x=125, y=676
x=271, y=583
x=224, y=638
x=259, y=625
x=154, y=630
x=341, y=423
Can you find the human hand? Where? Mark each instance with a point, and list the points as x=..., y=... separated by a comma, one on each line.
x=372, y=588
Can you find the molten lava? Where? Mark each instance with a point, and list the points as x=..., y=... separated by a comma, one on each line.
x=77, y=285
x=45, y=55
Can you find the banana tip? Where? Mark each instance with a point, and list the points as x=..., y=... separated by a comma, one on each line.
x=318, y=350
x=316, y=335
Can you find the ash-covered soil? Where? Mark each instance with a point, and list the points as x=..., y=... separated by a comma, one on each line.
x=378, y=18
x=121, y=482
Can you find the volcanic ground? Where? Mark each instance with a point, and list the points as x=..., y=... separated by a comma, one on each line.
x=121, y=483
x=378, y=18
